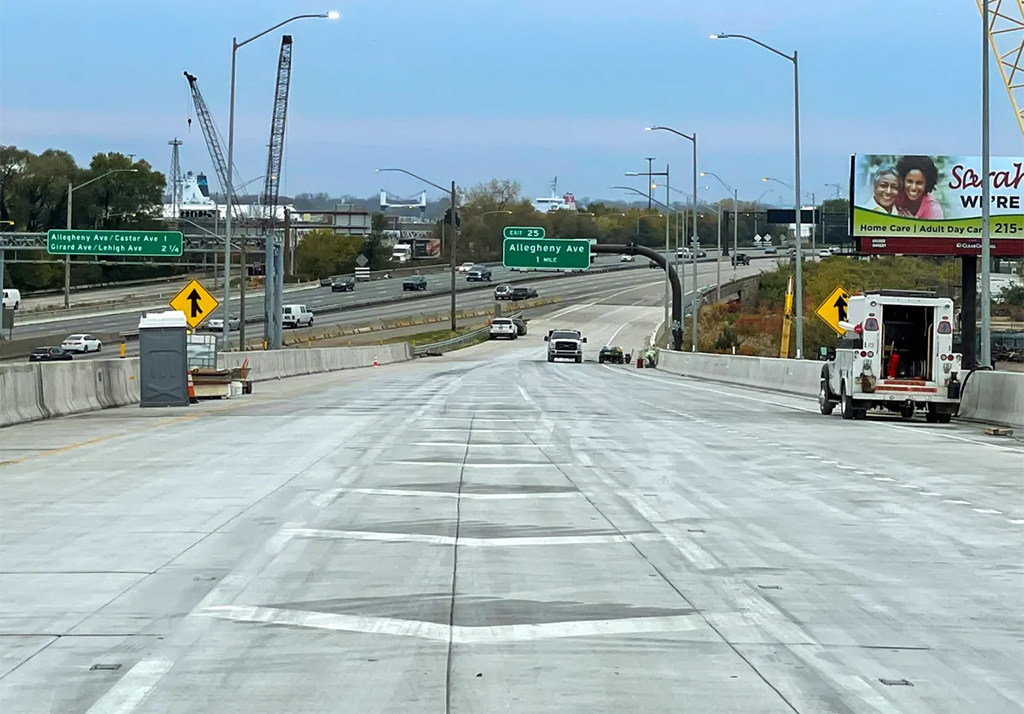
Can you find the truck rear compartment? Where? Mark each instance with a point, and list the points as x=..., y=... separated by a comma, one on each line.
x=907, y=332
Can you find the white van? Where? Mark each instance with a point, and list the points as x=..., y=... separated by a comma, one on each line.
x=296, y=316
x=12, y=298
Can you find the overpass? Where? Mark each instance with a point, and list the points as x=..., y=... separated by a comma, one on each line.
x=483, y=530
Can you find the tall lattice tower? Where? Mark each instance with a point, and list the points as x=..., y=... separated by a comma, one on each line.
x=1006, y=36
x=175, y=179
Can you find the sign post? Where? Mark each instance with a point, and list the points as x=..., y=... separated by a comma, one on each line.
x=834, y=309
x=197, y=303
x=145, y=243
x=550, y=253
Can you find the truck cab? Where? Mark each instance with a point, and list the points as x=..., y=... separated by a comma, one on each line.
x=896, y=354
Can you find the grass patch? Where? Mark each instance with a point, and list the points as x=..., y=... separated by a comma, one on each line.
x=431, y=336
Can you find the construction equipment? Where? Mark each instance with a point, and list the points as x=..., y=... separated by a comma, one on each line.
x=213, y=143
x=1006, y=36
x=272, y=179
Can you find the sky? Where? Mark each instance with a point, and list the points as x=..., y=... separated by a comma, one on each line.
x=523, y=89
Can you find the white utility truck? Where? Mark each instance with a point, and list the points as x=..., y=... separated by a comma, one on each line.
x=896, y=354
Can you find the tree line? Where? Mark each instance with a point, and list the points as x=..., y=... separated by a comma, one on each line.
x=34, y=198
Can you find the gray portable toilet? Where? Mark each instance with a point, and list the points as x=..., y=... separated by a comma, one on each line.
x=163, y=360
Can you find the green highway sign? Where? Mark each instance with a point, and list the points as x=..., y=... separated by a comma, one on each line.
x=551, y=253
x=520, y=232
x=83, y=242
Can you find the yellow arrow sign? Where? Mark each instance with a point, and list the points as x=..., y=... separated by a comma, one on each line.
x=196, y=302
x=833, y=309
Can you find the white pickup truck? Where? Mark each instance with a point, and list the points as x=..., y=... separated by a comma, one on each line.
x=896, y=354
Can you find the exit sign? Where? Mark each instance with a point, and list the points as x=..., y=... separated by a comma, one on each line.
x=551, y=253
x=521, y=232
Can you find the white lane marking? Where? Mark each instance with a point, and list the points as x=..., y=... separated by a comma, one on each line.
x=1017, y=521
x=462, y=444
x=459, y=634
x=909, y=486
x=691, y=383
x=133, y=688
x=883, y=478
x=454, y=494
x=930, y=493
x=859, y=473
x=566, y=311
x=988, y=510
x=957, y=501
x=472, y=542
x=844, y=467
x=528, y=465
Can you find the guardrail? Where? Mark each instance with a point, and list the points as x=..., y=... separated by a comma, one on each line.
x=454, y=343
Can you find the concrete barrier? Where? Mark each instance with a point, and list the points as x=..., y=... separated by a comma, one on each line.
x=778, y=375
x=990, y=397
x=290, y=363
x=994, y=397
x=29, y=392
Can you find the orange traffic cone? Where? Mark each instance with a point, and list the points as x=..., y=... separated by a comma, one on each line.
x=375, y=362
x=191, y=390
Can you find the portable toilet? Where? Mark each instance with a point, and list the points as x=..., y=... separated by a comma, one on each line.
x=163, y=360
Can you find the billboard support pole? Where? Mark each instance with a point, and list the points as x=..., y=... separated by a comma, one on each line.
x=986, y=183
x=969, y=309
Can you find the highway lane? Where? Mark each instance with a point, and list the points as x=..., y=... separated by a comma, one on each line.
x=113, y=319
x=569, y=288
x=488, y=532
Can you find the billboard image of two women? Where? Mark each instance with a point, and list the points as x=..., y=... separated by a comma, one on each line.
x=905, y=196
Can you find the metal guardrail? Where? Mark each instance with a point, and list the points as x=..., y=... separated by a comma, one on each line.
x=439, y=348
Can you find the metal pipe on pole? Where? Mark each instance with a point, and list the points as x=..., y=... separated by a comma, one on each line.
x=668, y=254
x=718, y=263
x=986, y=198
x=735, y=229
x=454, y=267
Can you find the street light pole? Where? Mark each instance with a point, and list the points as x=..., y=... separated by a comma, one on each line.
x=230, y=191
x=668, y=212
x=799, y=271
x=67, y=256
x=986, y=197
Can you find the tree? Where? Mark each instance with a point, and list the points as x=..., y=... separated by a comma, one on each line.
x=119, y=200
x=496, y=194
x=13, y=162
x=321, y=253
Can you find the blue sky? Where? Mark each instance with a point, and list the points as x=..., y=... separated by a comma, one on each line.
x=526, y=89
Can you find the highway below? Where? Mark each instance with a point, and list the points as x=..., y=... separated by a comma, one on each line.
x=486, y=532
x=569, y=287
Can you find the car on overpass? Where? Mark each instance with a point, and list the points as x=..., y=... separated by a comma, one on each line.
x=503, y=327
x=414, y=282
x=627, y=258
x=81, y=344
x=466, y=267
x=503, y=292
x=49, y=354
x=216, y=324
x=478, y=274
x=523, y=293
x=611, y=353
x=296, y=315
x=741, y=259
x=343, y=285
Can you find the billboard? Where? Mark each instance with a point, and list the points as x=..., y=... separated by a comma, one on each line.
x=931, y=205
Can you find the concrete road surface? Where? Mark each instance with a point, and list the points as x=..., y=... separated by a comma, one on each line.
x=487, y=532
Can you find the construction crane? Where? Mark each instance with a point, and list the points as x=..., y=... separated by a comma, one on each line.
x=1006, y=35
x=213, y=143
x=272, y=179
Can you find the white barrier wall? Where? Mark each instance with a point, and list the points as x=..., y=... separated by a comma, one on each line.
x=41, y=390
x=291, y=363
x=995, y=397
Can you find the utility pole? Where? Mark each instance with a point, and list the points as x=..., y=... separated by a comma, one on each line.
x=986, y=198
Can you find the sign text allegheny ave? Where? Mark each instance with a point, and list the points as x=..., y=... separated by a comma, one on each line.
x=86, y=242
x=552, y=253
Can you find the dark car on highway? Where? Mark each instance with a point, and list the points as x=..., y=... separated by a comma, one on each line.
x=611, y=353
x=520, y=293
x=741, y=259
x=343, y=285
x=520, y=324
x=414, y=282
x=49, y=354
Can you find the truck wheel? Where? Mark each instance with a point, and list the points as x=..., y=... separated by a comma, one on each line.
x=824, y=404
x=846, y=405
x=944, y=418
x=579, y=359
x=907, y=412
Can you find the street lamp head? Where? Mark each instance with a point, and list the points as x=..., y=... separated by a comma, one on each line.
x=765, y=178
x=333, y=15
x=632, y=173
x=714, y=37
x=703, y=173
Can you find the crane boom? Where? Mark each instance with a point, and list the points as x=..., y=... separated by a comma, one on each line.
x=1006, y=36
x=272, y=179
x=212, y=136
